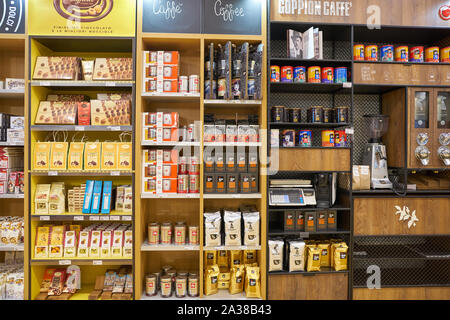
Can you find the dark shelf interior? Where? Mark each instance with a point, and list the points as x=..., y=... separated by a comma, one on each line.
x=330, y=32
x=310, y=62
x=307, y=124
x=291, y=87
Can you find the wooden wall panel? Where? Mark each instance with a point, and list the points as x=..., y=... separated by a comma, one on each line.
x=313, y=159
x=419, y=293
x=310, y=287
x=376, y=216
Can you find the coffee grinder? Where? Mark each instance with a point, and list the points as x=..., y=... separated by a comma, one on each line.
x=375, y=151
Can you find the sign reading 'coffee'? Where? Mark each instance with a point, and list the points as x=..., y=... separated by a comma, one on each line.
x=179, y=16
x=12, y=16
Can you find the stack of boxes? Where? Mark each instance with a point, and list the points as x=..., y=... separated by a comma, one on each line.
x=310, y=221
x=12, y=129
x=160, y=126
x=12, y=84
x=11, y=171
x=161, y=70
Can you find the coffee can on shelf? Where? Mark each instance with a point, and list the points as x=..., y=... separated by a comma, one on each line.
x=183, y=183
x=340, y=75
x=294, y=115
x=183, y=165
x=358, y=52
x=416, y=54
x=327, y=115
x=340, y=138
x=277, y=113
x=327, y=138
x=274, y=74
x=193, y=285
x=150, y=285
x=194, y=183
x=387, y=53
x=314, y=75
x=180, y=233
x=166, y=286
x=401, y=53
x=153, y=233
x=288, y=138
x=445, y=55
x=194, y=166
x=166, y=233
x=299, y=74
x=180, y=286
x=432, y=54
x=304, y=138
x=193, y=235
x=287, y=73
x=327, y=75
x=193, y=84
x=371, y=53
x=341, y=114
x=183, y=84
x=315, y=114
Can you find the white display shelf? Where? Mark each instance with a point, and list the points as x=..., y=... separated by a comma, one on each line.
x=145, y=195
x=215, y=102
x=168, y=247
x=80, y=83
x=170, y=144
x=11, y=196
x=232, y=144
x=232, y=196
x=11, y=144
x=232, y=248
x=8, y=94
x=170, y=96
x=11, y=247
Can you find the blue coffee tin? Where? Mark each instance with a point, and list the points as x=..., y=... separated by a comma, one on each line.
x=387, y=53
x=340, y=75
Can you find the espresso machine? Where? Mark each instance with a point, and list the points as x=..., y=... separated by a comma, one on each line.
x=375, y=152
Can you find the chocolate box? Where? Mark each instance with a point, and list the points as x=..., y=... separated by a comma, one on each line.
x=52, y=112
x=57, y=68
x=110, y=112
x=113, y=69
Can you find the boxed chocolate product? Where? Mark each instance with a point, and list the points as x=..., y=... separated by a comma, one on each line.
x=58, y=156
x=83, y=244
x=109, y=156
x=16, y=122
x=245, y=183
x=331, y=220
x=56, y=201
x=300, y=221
x=221, y=183
x=84, y=113
x=92, y=156
x=110, y=112
x=232, y=182
x=113, y=69
x=210, y=182
x=51, y=112
x=321, y=220
x=114, y=96
x=124, y=156
x=75, y=157
x=310, y=221
x=94, y=245
x=67, y=97
x=128, y=199
x=42, y=242
x=57, y=68
x=88, y=69
x=14, y=84
x=70, y=244
x=56, y=242
x=41, y=160
x=15, y=135
x=41, y=198
x=289, y=220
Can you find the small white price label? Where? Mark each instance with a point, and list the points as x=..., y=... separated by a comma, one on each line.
x=347, y=85
x=44, y=83
x=236, y=196
x=110, y=84
x=104, y=218
x=44, y=218
x=65, y=262
x=97, y=262
x=114, y=218
x=349, y=131
x=79, y=128
x=115, y=173
x=94, y=218
x=78, y=218
x=53, y=173
x=114, y=128
x=126, y=218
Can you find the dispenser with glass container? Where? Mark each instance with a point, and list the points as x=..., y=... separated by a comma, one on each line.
x=443, y=125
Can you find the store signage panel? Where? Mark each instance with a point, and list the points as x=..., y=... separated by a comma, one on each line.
x=179, y=16
x=12, y=16
x=432, y=13
x=100, y=18
x=232, y=17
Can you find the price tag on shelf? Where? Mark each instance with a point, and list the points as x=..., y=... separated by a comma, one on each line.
x=65, y=262
x=44, y=218
x=304, y=234
x=347, y=85
x=44, y=83
x=236, y=196
x=79, y=128
x=97, y=262
x=110, y=84
x=94, y=218
x=115, y=173
x=53, y=173
x=104, y=218
x=189, y=247
x=349, y=131
x=114, y=128
x=126, y=218
x=114, y=218
x=78, y=218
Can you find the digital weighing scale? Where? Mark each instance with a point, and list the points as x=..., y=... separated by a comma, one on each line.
x=291, y=193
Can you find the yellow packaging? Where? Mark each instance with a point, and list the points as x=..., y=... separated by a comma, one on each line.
x=222, y=258
x=211, y=280
x=237, y=274
x=58, y=158
x=76, y=155
x=41, y=159
x=252, y=284
x=41, y=197
x=124, y=156
x=325, y=256
x=313, y=263
x=92, y=158
x=235, y=257
x=224, y=274
x=56, y=242
x=57, y=198
x=334, y=243
x=42, y=241
x=340, y=257
x=210, y=258
x=109, y=156
x=249, y=256
x=224, y=284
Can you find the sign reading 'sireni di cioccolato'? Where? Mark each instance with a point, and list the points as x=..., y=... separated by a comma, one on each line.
x=12, y=16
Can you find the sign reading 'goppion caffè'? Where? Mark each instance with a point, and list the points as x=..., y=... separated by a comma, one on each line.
x=431, y=13
x=82, y=17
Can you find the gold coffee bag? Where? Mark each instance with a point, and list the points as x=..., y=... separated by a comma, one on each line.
x=237, y=279
x=313, y=259
x=222, y=258
x=253, y=286
x=249, y=256
x=340, y=257
x=235, y=257
x=211, y=280
x=210, y=258
x=325, y=255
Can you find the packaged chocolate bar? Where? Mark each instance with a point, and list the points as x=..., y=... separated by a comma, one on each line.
x=113, y=69
x=52, y=112
x=110, y=112
x=57, y=68
x=67, y=97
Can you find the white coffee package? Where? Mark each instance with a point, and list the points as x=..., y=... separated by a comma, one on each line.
x=251, y=228
x=213, y=236
x=232, y=221
x=276, y=255
x=296, y=256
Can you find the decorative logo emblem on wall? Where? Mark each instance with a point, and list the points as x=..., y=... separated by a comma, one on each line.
x=405, y=215
x=83, y=10
x=12, y=16
x=444, y=12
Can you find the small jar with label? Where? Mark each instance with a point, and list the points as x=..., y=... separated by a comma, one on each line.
x=180, y=233
x=193, y=285
x=166, y=286
x=172, y=274
x=166, y=233
x=150, y=285
x=193, y=235
x=153, y=233
x=180, y=286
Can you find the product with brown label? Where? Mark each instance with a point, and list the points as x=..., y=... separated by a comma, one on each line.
x=232, y=222
x=212, y=229
x=249, y=256
x=113, y=69
x=92, y=156
x=110, y=112
x=41, y=198
x=57, y=68
x=276, y=255
x=222, y=258
x=251, y=226
x=41, y=159
x=58, y=156
x=75, y=157
x=325, y=255
x=235, y=257
x=210, y=257
x=296, y=256
x=52, y=112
